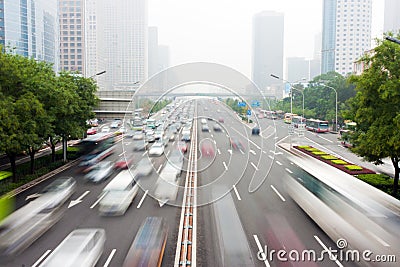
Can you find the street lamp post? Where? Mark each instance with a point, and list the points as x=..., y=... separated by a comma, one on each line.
x=97, y=74
x=291, y=101
x=336, y=104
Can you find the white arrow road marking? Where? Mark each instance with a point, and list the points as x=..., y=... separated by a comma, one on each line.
x=79, y=200
x=252, y=152
x=279, y=195
x=141, y=201
x=230, y=151
x=226, y=167
x=110, y=258
x=162, y=202
x=236, y=192
x=36, y=195
x=41, y=258
x=255, y=167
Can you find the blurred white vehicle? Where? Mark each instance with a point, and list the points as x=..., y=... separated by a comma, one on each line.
x=118, y=195
x=143, y=168
x=157, y=149
x=101, y=171
x=105, y=129
x=82, y=247
x=60, y=190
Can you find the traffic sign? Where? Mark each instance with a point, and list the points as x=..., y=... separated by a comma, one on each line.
x=255, y=103
x=291, y=129
x=249, y=112
x=241, y=104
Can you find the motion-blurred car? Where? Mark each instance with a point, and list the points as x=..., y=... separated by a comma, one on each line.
x=255, y=131
x=221, y=120
x=100, y=172
x=205, y=128
x=182, y=146
x=122, y=130
x=217, y=128
x=236, y=144
x=138, y=135
x=150, y=138
x=123, y=162
x=157, y=149
x=60, y=190
x=114, y=124
x=207, y=149
x=139, y=145
x=91, y=131
x=143, y=168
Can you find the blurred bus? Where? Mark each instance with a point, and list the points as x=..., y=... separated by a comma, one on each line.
x=318, y=126
x=269, y=114
x=345, y=133
x=82, y=247
x=298, y=120
x=148, y=246
x=95, y=148
x=348, y=208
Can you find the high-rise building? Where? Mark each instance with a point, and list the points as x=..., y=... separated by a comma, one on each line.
x=72, y=35
x=346, y=33
x=90, y=26
x=297, y=68
x=267, y=50
x=392, y=19
x=122, y=43
x=30, y=28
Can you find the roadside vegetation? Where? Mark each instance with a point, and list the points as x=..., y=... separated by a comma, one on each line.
x=39, y=106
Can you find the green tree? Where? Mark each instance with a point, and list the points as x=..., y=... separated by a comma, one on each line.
x=376, y=107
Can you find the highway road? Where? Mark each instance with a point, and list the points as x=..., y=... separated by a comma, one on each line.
x=243, y=207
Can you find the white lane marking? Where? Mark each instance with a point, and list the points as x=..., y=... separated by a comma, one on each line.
x=255, y=167
x=325, y=139
x=144, y=154
x=110, y=258
x=279, y=163
x=97, y=201
x=219, y=151
x=265, y=152
x=226, y=167
x=276, y=137
x=141, y=201
x=252, y=152
x=236, y=192
x=279, y=194
x=78, y=200
x=241, y=151
x=261, y=251
x=246, y=138
x=271, y=157
x=127, y=144
x=159, y=168
x=41, y=258
x=212, y=136
x=215, y=142
x=380, y=240
x=173, y=143
x=289, y=171
x=327, y=250
x=121, y=154
x=168, y=152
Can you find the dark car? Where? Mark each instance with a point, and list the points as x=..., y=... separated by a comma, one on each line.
x=236, y=144
x=255, y=131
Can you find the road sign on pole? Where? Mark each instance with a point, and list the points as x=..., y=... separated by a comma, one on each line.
x=291, y=129
x=255, y=103
x=249, y=112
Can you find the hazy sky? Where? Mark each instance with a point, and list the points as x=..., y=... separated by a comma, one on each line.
x=220, y=31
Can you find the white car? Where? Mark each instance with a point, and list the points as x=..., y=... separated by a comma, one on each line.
x=100, y=172
x=105, y=129
x=122, y=130
x=157, y=149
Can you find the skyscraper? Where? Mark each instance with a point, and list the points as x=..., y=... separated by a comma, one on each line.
x=392, y=19
x=117, y=42
x=30, y=28
x=267, y=51
x=346, y=33
x=72, y=35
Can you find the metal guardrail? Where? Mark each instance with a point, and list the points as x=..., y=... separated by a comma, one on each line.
x=186, y=245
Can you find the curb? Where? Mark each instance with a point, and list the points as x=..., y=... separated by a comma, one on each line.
x=42, y=178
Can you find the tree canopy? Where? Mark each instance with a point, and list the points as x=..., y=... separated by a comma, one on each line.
x=376, y=106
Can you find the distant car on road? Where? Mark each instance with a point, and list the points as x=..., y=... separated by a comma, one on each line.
x=236, y=144
x=123, y=162
x=157, y=149
x=207, y=149
x=255, y=131
x=217, y=127
x=205, y=128
x=221, y=120
x=91, y=131
x=114, y=124
x=105, y=129
x=182, y=146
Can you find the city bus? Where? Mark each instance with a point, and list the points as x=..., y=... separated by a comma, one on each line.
x=349, y=127
x=95, y=148
x=288, y=117
x=298, y=120
x=318, y=126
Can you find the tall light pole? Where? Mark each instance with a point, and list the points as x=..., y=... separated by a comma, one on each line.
x=336, y=102
x=291, y=101
x=97, y=74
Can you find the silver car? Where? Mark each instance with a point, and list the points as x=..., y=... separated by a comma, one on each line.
x=100, y=172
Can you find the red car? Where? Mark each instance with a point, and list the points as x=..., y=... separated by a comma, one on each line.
x=91, y=131
x=207, y=149
x=123, y=163
x=182, y=146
